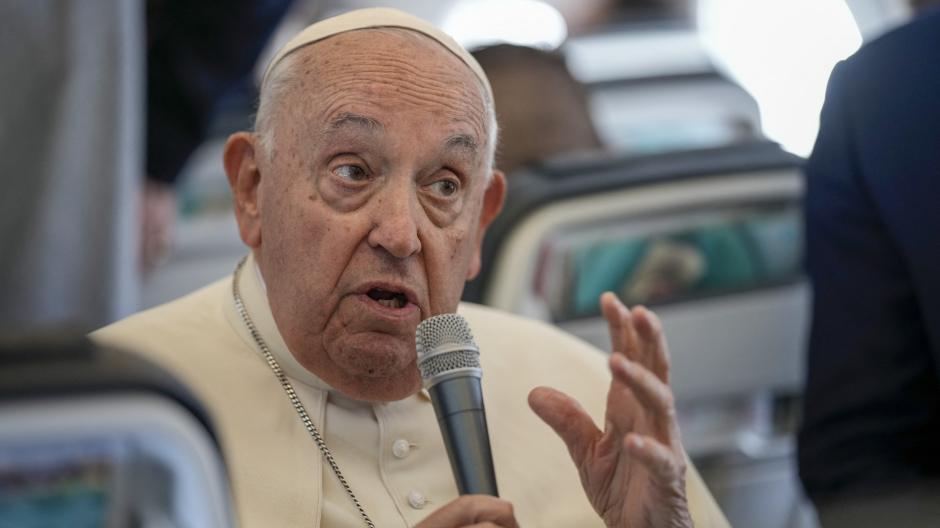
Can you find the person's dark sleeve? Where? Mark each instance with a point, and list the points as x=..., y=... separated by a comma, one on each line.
x=869, y=412
x=197, y=49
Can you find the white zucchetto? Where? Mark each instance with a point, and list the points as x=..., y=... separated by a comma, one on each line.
x=375, y=18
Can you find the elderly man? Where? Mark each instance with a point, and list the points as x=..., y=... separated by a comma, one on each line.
x=364, y=197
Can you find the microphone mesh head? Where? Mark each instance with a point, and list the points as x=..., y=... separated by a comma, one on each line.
x=440, y=331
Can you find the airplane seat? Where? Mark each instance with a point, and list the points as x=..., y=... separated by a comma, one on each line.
x=710, y=239
x=97, y=437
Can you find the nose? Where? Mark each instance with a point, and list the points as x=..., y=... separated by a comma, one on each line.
x=395, y=221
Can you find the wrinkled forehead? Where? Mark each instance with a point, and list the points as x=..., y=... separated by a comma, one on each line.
x=378, y=54
x=389, y=68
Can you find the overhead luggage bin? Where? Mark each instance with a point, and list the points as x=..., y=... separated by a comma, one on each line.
x=712, y=240
x=654, y=88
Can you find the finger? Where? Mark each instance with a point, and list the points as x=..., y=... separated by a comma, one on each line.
x=622, y=335
x=472, y=510
x=665, y=465
x=654, y=395
x=567, y=418
x=654, y=350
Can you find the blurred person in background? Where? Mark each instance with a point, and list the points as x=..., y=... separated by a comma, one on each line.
x=586, y=16
x=198, y=52
x=542, y=110
x=869, y=445
x=629, y=11
x=78, y=224
x=71, y=158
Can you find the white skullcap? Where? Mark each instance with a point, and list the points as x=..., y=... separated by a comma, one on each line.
x=374, y=18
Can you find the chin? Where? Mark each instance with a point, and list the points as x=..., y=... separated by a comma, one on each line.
x=380, y=390
x=377, y=371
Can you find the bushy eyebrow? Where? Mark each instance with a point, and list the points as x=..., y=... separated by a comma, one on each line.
x=463, y=142
x=352, y=120
x=460, y=142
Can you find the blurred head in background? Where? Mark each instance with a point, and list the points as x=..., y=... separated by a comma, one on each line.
x=542, y=110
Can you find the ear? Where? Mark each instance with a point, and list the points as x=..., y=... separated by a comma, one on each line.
x=244, y=176
x=492, y=204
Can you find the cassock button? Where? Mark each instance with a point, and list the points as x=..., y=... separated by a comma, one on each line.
x=416, y=499
x=401, y=448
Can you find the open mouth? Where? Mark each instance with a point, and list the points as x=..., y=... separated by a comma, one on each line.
x=389, y=299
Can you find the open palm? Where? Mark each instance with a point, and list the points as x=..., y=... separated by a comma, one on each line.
x=634, y=470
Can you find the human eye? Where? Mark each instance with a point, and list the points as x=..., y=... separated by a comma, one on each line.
x=444, y=188
x=350, y=172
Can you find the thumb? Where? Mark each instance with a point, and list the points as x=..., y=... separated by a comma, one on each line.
x=567, y=418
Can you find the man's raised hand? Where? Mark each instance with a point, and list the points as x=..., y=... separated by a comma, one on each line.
x=634, y=470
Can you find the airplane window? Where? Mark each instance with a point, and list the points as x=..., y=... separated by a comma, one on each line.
x=781, y=51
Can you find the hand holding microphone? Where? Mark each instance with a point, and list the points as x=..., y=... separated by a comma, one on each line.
x=472, y=511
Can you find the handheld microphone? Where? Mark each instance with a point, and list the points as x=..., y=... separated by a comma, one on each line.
x=450, y=365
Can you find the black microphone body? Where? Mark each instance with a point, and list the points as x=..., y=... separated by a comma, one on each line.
x=458, y=403
x=450, y=366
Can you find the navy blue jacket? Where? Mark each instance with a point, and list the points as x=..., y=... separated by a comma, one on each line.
x=872, y=402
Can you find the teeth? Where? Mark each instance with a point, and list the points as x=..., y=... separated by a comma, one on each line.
x=391, y=303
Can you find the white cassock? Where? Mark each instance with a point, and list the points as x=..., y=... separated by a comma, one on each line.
x=391, y=454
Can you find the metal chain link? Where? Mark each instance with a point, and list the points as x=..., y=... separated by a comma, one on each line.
x=290, y=391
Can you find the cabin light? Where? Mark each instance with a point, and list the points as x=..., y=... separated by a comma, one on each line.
x=782, y=52
x=476, y=23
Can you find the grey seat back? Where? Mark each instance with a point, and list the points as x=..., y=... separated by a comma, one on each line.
x=710, y=239
x=93, y=437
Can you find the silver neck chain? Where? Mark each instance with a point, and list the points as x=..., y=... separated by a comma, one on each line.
x=299, y=407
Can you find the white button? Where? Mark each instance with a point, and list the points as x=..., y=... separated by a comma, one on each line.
x=416, y=499
x=401, y=448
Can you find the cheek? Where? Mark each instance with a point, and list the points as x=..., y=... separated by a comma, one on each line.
x=447, y=267
x=310, y=245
